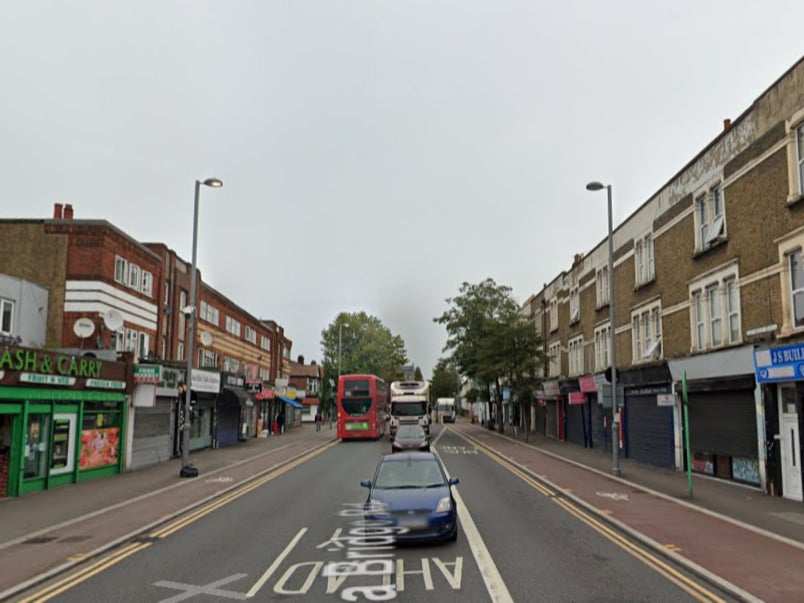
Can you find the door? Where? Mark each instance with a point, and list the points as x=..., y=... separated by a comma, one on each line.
x=790, y=443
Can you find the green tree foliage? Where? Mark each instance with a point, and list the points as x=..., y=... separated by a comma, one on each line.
x=360, y=343
x=490, y=341
x=417, y=374
x=446, y=381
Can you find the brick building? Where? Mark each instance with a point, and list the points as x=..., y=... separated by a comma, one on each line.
x=708, y=274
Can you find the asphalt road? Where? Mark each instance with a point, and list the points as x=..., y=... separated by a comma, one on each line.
x=279, y=538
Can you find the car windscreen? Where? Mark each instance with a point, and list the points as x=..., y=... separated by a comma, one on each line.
x=409, y=474
x=408, y=409
x=356, y=407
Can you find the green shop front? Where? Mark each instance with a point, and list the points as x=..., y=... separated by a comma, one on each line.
x=62, y=419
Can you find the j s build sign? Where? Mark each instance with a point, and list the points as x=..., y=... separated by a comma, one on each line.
x=784, y=363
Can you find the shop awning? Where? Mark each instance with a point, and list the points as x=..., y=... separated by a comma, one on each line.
x=241, y=395
x=290, y=401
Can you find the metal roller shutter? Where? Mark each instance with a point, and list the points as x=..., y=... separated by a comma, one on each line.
x=552, y=418
x=649, y=431
x=541, y=418
x=152, y=442
x=723, y=422
x=576, y=417
x=600, y=435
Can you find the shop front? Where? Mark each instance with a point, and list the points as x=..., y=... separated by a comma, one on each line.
x=648, y=422
x=780, y=372
x=575, y=414
x=723, y=400
x=233, y=402
x=205, y=387
x=554, y=416
x=62, y=419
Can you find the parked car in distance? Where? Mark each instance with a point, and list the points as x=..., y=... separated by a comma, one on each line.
x=410, y=437
x=411, y=491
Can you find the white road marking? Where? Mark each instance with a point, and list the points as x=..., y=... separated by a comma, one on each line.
x=488, y=570
x=275, y=565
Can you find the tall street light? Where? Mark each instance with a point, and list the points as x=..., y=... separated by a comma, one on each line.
x=187, y=470
x=340, y=338
x=615, y=422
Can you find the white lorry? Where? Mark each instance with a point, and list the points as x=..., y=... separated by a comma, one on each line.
x=410, y=404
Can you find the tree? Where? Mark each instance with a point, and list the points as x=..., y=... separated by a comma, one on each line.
x=417, y=374
x=489, y=340
x=358, y=343
x=445, y=382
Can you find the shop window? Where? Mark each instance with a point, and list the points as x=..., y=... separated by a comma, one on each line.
x=100, y=434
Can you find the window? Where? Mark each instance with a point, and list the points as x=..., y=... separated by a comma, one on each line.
x=134, y=276
x=231, y=365
x=180, y=351
x=250, y=335
x=715, y=311
x=167, y=294
x=182, y=317
x=6, y=316
x=143, y=344
x=265, y=343
x=537, y=321
x=733, y=309
x=710, y=217
x=264, y=374
x=575, y=305
x=646, y=332
x=120, y=270
x=147, y=283
x=602, y=279
x=554, y=352
x=553, y=314
x=643, y=260
x=800, y=157
x=207, y=358
x=602, y=347
x=797, y=287
x=233, y=326
x=576, y=356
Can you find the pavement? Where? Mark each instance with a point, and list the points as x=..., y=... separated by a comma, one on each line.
x=734, y=536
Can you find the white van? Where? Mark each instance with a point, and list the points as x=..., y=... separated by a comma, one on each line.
x=445, y=409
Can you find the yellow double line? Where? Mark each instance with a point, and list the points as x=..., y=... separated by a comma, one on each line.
x=105, y=562
x=688, y=585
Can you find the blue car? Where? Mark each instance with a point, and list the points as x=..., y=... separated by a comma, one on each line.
x=410, y=491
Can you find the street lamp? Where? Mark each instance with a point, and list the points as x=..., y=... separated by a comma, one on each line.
x=187, y=470
x=615, y=422
x=340, y=337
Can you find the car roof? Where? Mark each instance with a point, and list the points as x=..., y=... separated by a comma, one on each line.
x=408, y=456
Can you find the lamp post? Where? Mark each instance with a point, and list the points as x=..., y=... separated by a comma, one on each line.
x=340, y=338
x=188, y=470
x=615, y=421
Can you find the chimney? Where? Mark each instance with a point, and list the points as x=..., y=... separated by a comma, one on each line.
x=726, y=124
x=68, y=212
x=57, y=208
x=301, y=360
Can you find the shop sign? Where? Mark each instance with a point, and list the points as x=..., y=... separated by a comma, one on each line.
x=147, y=373
x=37, y=361
x=46, y=379
x=233, y=380
x=205, y=381
x=577, y=398
x=551, y=389
x=784, y=363
x=665, y=399
x=587, y=384
x=169, y=384
x=106, y=384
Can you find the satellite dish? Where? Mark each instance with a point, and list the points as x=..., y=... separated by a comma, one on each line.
x=206, y=338
x=83, y=327
x=113, y=320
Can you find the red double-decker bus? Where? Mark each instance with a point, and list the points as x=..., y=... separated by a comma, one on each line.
x=362, y=407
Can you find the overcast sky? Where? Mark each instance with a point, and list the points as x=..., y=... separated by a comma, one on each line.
x=375, y=154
